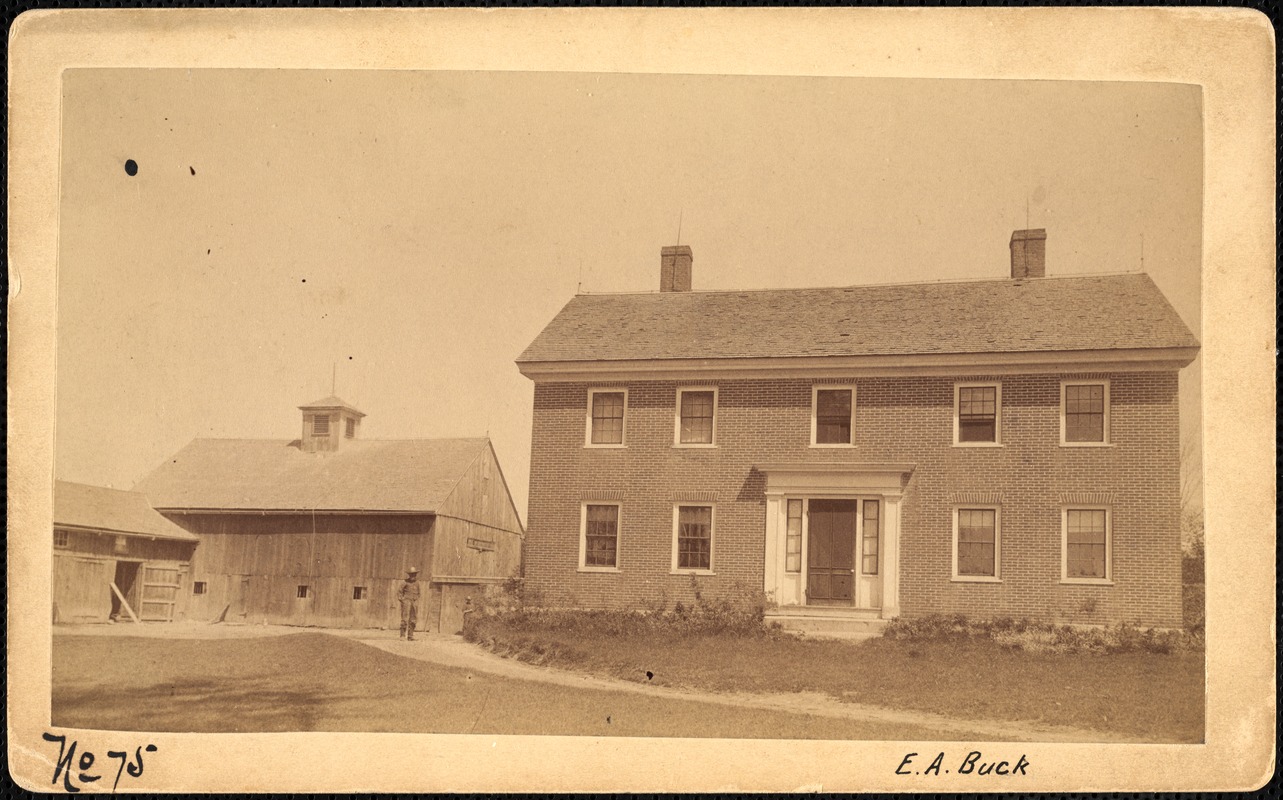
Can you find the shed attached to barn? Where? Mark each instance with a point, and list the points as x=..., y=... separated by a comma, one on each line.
x=321, y=530
x=109, y=546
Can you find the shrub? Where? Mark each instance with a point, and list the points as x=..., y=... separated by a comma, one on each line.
x=1042, y=637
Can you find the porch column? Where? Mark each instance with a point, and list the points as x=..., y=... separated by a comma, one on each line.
x=891, y=557
x=771, y=559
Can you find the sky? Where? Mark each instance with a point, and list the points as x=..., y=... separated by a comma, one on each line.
x=402, y=236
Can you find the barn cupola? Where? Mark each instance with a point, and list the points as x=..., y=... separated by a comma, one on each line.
x=327, y=423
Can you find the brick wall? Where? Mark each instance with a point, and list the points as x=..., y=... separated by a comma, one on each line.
x=896, y=419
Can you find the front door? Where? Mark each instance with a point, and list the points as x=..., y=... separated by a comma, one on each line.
x=830, y=562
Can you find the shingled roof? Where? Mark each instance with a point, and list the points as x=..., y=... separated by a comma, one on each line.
x=1099, y=312
x=78, y=505
x=411, y=475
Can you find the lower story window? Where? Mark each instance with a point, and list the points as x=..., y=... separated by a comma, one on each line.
x=359, y=592
x=976, y=542
x=1086, y=544
x=869, y=553
x=694, y=537
x=301, y=592
x=199, y=587
x=793, y=539
x=601, y=536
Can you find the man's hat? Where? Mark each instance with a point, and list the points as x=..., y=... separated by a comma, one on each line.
x=413, y=571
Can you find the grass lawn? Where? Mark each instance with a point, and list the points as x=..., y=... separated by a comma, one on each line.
x=1158, y=697
x=318, y=682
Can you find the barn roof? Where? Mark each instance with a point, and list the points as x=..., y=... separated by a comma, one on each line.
x=82, y=506
x=1100, y=312
x=408, y=476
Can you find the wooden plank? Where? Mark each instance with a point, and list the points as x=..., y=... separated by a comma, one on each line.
x=124, y=603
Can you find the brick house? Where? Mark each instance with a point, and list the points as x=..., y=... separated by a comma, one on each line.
x=998, y=447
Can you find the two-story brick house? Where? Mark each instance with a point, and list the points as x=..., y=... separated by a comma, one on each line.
x=991, y=447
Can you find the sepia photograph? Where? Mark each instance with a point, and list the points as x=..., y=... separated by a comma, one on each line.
x=588, y=405
x=789, y=400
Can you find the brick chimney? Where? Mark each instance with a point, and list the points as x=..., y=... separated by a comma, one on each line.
x=675, y=268
x=1029, y=253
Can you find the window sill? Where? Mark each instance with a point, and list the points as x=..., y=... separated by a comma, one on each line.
x=1086, y=582
x=693, y=446
x=691, y=572
x=1086, y=444
x=605, y=446
x=834, y=446
x=974, y=579
x=606, y=570
x=977, y=444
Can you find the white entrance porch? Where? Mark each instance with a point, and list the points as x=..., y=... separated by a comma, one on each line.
x=833, y=538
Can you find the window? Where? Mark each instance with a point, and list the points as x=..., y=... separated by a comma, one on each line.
x=301, y=592
x=831, y=415
x=976, y=550
x=1084, y=412
x=872, y=526
x=321, y=425
x=350, y=428
x=61, y=539
x=977, y=418
x=1087, y=544
x=360, y=592
x=693, y=545
x=599, y=543
x=199, y=587
x=606, y=418
x=122, y=544
x=793, y=538
x=696, y=416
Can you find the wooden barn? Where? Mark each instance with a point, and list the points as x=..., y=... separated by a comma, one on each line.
x=321, y=530
x=110, y=546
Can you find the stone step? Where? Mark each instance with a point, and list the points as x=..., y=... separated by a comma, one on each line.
x=846, y=625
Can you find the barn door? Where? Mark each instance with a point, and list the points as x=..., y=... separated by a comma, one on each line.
x=159, y=593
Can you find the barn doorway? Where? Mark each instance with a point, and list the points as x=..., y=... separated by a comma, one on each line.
x=126, y=581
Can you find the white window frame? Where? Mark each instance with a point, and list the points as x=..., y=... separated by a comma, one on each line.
x=623, y=436
x=815, y=411
x=1108, y=580
x=677, y=417
x=997, y=416
x=712, y=539
x=1084, y=382
x=583, y=534
x=997, y=542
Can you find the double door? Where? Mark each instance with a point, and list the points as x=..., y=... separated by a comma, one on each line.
x=842, y=552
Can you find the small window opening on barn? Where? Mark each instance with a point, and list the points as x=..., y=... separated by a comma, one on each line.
x=61, y=539
x=122, y=544
x=321, y=425
x=350, y=430
x=360, y=592
x=302, y=591
x=199, y=587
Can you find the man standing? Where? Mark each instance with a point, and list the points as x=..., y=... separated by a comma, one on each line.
x=408, y=595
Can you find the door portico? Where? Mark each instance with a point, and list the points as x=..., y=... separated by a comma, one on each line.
x=833, y=534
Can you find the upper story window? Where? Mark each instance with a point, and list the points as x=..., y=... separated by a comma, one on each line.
x=1086, y=545
x=599, y=537
x=606, y=411
x=696, y=416
x=350, y=428
x=977, y=414
x=321, y=425
x=1084, y=412
x=61, y=538
x=976, y=546
x=832, y=415
x=693, y=539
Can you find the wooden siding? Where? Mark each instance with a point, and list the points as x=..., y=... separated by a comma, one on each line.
x=84, y=569
x=253, y=565
x=478, y=531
